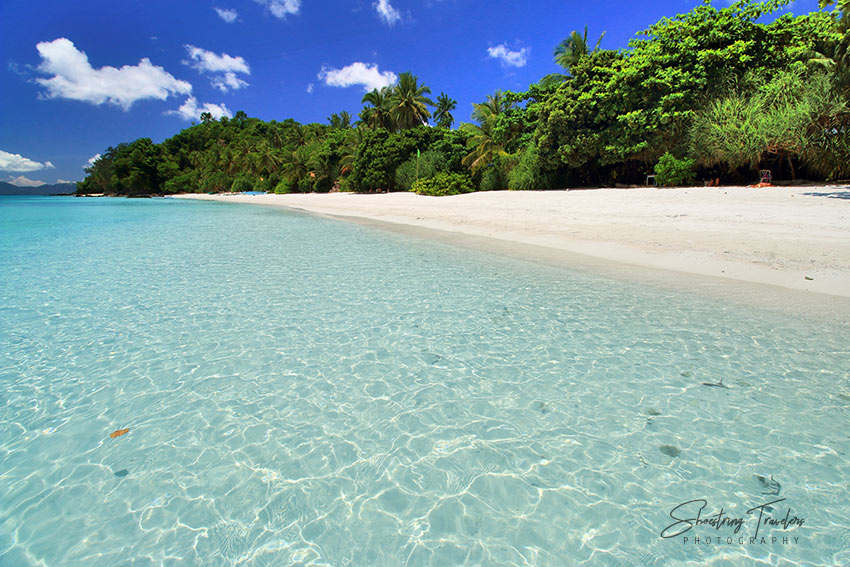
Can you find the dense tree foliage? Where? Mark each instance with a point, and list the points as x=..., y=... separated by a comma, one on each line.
x=713, y=93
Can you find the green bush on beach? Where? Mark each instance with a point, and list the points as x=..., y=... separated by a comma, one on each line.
x=672, y=171
x=243, y=182
x=443, y=184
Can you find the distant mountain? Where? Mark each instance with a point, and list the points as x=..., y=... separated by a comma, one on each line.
x=58, y=188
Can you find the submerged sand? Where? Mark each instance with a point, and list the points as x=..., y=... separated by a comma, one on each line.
x=791, y=238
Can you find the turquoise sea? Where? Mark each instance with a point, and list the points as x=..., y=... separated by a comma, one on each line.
x=303, y=391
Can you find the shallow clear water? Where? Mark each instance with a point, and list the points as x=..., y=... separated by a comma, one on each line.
x=301, y=391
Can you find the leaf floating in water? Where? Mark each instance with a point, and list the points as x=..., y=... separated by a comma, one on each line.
x=653, y=411
x=716, y=384
x=686, y=373
x=771, y=486
x=670, y=450
x=122, y=473
x=118, y=433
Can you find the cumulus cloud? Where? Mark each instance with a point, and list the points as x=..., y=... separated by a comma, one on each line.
x=228, y=82
x=190, y=110
x=509, y=57
x=223, y=67
x=281, y=8
x=17, y=162
x=22, y=181
x=205, y=60
x=387, y=12
x=74, y=78
x=227, y=14
x=310, y=88
x=357, y=74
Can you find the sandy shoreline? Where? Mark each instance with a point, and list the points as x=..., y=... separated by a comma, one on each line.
x=792, y=238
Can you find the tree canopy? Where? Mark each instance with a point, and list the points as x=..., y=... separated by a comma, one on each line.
x=717, y=92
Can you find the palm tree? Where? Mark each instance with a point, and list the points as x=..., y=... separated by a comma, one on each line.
x=340, y=121
x=296, y=164
x=378, y=115
x=485, y=146
x=443, y=112
x=408, y=102
x=490, y=108
x=277, y=136
x=299, y=135
x=573, y=48
x=567, y=53
x=266, y=159
x=240, y=118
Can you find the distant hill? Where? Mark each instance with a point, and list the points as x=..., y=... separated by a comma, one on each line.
x=9, y=189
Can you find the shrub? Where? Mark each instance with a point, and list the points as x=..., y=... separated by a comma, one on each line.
x=266, y=184
x=215, y=182
x=242, y=183
x=284, y=186
x=430, y=164
x=491, y=179
x=186, y=183
x=672, y=171
x=443, y=184
x=305, y=185
x=527, y=174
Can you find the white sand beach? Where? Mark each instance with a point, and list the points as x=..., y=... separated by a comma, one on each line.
x=793, y=238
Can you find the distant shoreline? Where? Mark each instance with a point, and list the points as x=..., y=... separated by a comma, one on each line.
x=758, y=242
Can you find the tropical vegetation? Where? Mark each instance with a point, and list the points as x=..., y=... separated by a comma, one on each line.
x=716, y=93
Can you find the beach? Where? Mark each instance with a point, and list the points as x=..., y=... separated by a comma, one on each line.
x=792, y=238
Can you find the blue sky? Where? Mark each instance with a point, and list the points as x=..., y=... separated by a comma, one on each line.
x=77, y=77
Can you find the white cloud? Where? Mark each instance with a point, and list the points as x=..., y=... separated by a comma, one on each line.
x=508, y=57
x=22, y=181
x=190, y=110
x=74, y=78
x=227, y=14
x=229, y=81
x=310, y=88
x=357, y=74
x=386, y=11
x=64, y=181
x=92, y=159
x=204, y=60
x=281, y=8
x=17, y=162
x=224, y=66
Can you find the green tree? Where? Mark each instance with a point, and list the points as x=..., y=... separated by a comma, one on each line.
x=567, y=53
x=574, y=48
x=239, y=119
x=340, y=121
x=379, y=114
x=486, y=146
x=443, y=111
x=408, y=103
